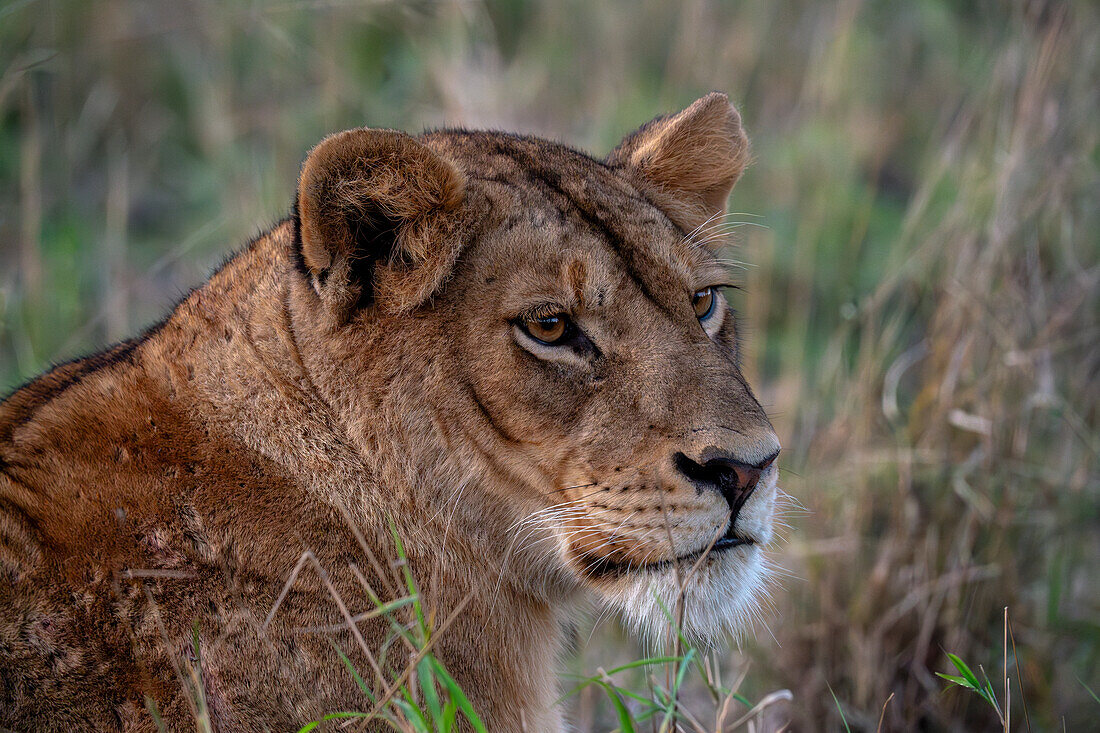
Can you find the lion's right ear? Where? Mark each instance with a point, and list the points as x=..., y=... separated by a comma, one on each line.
x=372, y=217
x=690, y=159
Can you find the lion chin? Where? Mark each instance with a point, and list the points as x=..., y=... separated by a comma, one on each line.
x=720, y=598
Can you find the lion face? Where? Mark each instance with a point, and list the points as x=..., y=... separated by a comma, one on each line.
x=595, y=359
x=606, y=364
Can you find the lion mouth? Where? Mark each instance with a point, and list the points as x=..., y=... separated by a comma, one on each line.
x=727, y=542
x=602, y=567
x=730, y=541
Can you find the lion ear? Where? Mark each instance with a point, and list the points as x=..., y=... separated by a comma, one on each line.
x=372, y=212
x=691, y=159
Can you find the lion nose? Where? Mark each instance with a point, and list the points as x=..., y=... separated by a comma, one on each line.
x=735, y=480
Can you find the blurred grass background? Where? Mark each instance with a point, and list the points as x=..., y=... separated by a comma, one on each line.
x=922, y=297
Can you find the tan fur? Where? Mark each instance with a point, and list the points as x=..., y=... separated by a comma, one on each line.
x=359, y=365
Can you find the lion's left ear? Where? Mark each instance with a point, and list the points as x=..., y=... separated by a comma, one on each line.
x=691, y=159
x=374, y=209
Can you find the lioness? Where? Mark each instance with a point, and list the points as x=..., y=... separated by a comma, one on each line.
x=512, y=357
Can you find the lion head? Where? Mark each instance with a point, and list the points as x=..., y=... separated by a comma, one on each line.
x=540, y=339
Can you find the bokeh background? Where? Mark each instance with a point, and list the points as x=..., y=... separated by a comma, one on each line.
x=921, y=277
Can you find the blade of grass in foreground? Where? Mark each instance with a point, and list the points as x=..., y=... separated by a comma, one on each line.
x=839, y=709
x=1089, y=690
x=363, y=686
x=456, y=694
x=966, y=678
x=431, y=695
x=584, y=682
x=626, y=722
x=331, y=716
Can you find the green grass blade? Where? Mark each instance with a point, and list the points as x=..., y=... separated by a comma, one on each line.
x=684, y=664
x=647, y=662
x=964, y=670
x=151, y=706
x=457, y=695
x=450, y=712
x=431, y=696
x=331, y=716
x=584, y=682
x=383, y=609
x=355, y=673
x=1088, y=690
x=634, y=696
x=989, y=695
x=839, y=709
x=340, y=716
x=410, y=582
x=413, y=714
x=626, y=722
x=960, y=681
x=673, y=695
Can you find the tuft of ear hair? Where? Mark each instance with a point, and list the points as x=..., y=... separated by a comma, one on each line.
x=372, y=211
x=691, y=160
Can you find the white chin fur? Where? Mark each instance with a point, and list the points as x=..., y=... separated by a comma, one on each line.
x=722, y=597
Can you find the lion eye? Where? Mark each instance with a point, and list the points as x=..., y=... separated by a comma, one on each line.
x=703, y=302
x=550, y=330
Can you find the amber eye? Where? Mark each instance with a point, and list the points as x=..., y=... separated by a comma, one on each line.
x=549, y=329
x=703, y=302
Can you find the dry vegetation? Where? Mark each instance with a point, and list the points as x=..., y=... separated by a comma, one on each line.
x=922, y=299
